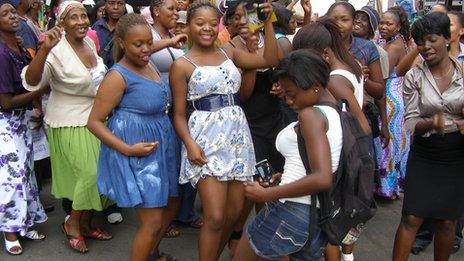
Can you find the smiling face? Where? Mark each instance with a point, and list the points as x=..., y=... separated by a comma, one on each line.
x=237, y=24
x=136, y=44
x=166, y=14
x=389, y=25
x=9, y=19
x=204, y=27
x=344, y=19
x=362, y=26
x=76, y=23
x=182, y=5
x=433, y=48
x=115, y=9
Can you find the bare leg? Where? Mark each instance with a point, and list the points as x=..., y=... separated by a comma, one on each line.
x=331, y=253
x=213, y=195
x=235, y=199
x=445, y=232
x=72, y=226
x=148, y=234
x=85, y=221
x=244, y=251
x=169, y=214
x=405, y=236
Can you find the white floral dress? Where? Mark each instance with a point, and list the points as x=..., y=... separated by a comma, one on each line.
x=224, y=134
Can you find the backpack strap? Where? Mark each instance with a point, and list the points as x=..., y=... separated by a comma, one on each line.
x=313, y=207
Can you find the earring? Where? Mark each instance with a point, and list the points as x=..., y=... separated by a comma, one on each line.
x=156, y=15
x=316, y=90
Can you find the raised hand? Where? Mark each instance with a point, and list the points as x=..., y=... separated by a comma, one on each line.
x=52, y=38
x=306, y=5
x=178, y=40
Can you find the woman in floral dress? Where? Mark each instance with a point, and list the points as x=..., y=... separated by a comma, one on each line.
x=20, y=207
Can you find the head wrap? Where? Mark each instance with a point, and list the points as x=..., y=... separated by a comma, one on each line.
x=14, y=3
x=182, y=17
x=67, y=6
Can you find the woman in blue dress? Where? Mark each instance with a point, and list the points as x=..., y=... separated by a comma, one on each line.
x=138, y=151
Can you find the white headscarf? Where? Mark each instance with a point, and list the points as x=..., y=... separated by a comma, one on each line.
x=66, y=6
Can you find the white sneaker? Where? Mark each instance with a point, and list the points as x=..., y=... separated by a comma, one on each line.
x=114, y=218
x=347, y=257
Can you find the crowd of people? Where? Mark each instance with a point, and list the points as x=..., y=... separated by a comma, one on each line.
x=144, y=107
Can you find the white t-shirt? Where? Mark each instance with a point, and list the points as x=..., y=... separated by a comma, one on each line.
x=287, y=145
x=358, y=86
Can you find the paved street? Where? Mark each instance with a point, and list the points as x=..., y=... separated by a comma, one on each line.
x=375, y=243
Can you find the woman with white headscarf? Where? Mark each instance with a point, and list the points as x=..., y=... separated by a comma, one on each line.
x=68, y=62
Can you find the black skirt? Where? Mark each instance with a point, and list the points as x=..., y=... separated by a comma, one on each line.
x=434, y=186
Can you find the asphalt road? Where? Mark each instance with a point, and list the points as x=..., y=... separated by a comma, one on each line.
x=376, y=242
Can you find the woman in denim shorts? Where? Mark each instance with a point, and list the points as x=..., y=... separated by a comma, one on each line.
x=281, y=228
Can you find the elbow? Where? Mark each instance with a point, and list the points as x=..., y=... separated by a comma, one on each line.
x=326, y=182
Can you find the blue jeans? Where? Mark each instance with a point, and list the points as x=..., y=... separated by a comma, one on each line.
x=187, y=196
x=281, y=229
x=425, y=233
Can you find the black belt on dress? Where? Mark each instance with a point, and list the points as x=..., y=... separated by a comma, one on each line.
x=216, y=102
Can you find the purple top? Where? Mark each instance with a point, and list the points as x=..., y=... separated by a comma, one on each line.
x=11, y=65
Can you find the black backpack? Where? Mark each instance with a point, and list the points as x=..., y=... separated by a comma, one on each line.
x=349, y=203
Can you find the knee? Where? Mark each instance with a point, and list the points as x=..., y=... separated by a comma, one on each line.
x=215, y=221
x=152, y=227
x=411, y=223
x=446, y=227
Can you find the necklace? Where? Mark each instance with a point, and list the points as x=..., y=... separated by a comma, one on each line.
x=260, y=41
x=444, y=75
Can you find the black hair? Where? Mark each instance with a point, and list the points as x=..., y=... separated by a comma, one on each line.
x=303, y=67
x=283, y=18
x=459, y=15
x=94, y=11
x=126, y=22
x=4, y=2
x=402, y=17
x=194, y=7
x=155, y=4
x=231, y=10
x=347, y=6
x=433, y=23
x=324, y=33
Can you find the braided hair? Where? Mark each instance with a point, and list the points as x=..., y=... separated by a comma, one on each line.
x=124, y=24
x=402, y=18
x=194, y=7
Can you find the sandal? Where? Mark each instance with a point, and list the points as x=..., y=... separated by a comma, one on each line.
x=13, y=247
x=34, y=235
x=99, y=234
x=197, y=223
x=172, y=232
x=75, y=242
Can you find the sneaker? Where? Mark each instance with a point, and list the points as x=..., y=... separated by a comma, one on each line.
x=347, y=257
x=455, y=249
x=114, y=218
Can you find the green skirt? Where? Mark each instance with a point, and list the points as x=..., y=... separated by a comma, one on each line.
x=74, y=156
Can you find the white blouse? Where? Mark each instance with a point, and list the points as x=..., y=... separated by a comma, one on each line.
x=287, y=145
x=73, y=88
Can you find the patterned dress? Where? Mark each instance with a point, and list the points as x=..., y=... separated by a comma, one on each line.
x=392, y=159
x=223, y=135
x=20, y=207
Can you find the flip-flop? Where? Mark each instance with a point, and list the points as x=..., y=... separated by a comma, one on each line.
x=74, y=241
x=197, y=223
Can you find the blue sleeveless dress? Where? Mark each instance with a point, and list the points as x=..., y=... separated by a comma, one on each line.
x=141, y=117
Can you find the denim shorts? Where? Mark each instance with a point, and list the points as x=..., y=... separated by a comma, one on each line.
x=281, y=229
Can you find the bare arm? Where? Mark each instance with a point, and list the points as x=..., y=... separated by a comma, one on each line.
x=407, y=62
x=341, y=88
x=35, y=69
x=285, y=45
x=178, y=81
x=248, y=61
x=9, y=101
x=375, y=84
x=313, y=127
x=248, y=84
x=175, y=42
